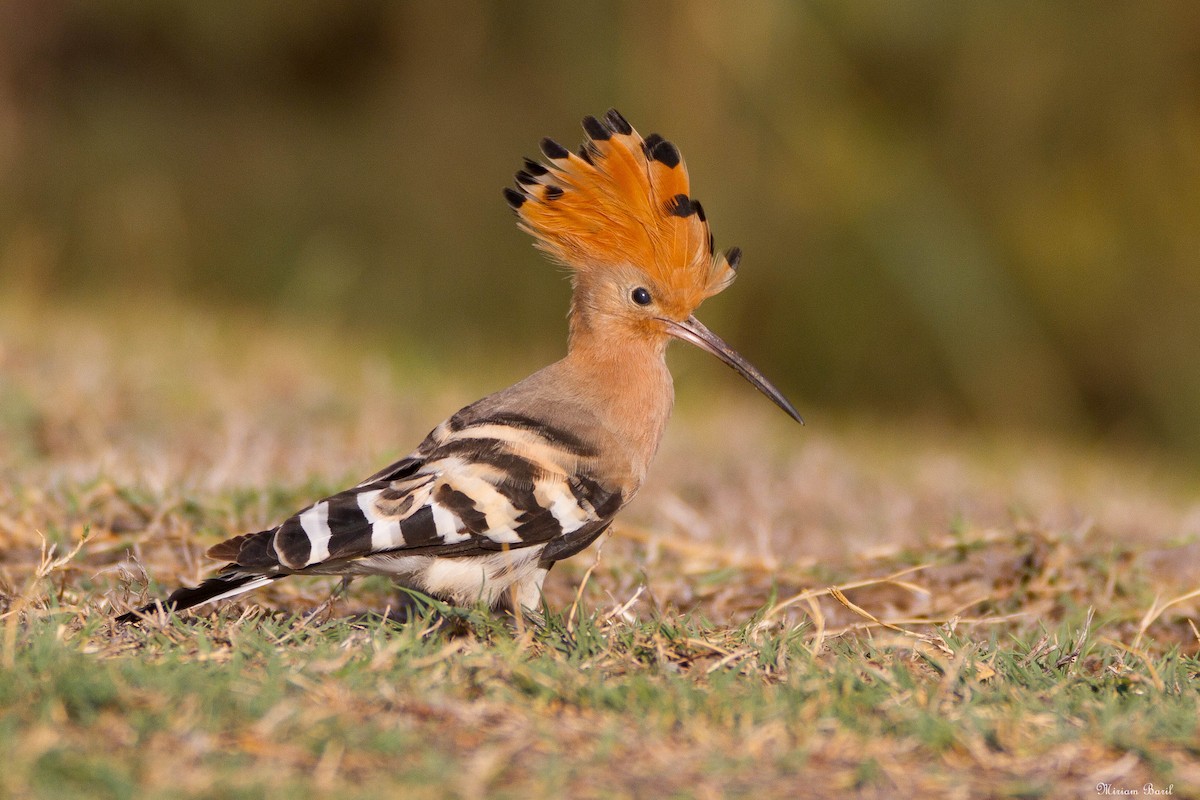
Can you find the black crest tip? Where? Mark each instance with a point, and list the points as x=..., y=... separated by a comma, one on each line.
x=699, y=210
x=525, y=179
x=649, y=143
x=666, y=153
x=617, y=122
x=681, y=206
x=553, y=149
x=553, y=192
x=514, y=198
x=734, y=256
x=534, y=168
x=596, y=129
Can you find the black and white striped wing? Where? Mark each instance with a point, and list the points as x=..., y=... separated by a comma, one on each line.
x=451, y=506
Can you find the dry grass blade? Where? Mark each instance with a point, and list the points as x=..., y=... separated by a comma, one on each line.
x=1145, y=659
x=837, y=594
x=583, y=582
x=1039, y=649
x=1070, y=658
x=815, y=593
x=47, y=565
x=622, y=611
x=1156, y=610
x=728, y=659
x=931, y=621
x=818, y=619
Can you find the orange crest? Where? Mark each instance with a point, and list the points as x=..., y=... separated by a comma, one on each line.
x=622, y=200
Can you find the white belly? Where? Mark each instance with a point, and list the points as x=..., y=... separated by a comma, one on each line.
x=467, y=580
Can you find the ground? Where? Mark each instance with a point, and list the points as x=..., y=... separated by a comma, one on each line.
x=859, y=608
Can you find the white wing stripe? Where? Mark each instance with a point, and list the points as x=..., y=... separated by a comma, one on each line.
x=445, y=523
x=386, y=534
x=248, y=587
x=315, y=522
x=503, y=534
x=554, y=496
x=385, y=531
x=366, y=504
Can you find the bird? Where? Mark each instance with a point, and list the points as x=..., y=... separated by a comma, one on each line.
x=531, y=475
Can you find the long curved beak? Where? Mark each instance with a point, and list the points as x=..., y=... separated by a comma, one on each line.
x=691, y=330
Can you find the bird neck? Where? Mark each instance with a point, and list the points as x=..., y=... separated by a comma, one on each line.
x=622, y=378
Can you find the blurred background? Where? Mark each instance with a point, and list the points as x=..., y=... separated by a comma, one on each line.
x=981, y=213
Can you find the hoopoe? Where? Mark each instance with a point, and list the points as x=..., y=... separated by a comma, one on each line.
x=533, y=474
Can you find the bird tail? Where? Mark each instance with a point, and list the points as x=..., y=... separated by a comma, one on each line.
x=218, y=587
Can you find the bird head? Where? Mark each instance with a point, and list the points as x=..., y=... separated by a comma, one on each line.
x=619, y=214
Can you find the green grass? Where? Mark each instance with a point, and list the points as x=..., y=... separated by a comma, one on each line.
x=269, y=705
x=851, y=609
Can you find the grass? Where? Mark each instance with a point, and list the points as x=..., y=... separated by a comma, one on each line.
x=852, y=608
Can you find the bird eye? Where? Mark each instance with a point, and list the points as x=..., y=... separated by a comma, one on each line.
x=641, y=296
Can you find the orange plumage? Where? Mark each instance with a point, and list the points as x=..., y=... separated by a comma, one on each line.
x=622, y=201
x=532, y=474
